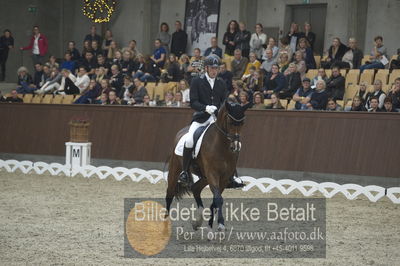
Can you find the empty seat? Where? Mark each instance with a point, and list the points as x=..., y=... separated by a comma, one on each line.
x=68, y=99
x=57, y=99
x=367, y=76
x=37, y=99
x=365, y=59
x=228, y=61
x=284, y=103
x=393, y=76
x=28, y=98
x=159, y=93
x=291, y=105
x=317, y=59
x=350, y=92
x=383, y=75
x=352, y=77
x=328, y=72
x=172, y=86
x=47, y=99
x=150, y=89
x=312, y=73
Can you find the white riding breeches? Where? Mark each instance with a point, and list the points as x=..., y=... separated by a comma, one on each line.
x=189, y=143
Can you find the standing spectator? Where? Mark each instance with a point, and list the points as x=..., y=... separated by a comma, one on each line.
x=293, y=80
x=377, y=54
x=285, y=48
x=6, y=43
x=25, y=81
x=242, y=40
x=239, y=64
x=179, y=40
x=302, y=97
x=319, y=97
x=257, y=41
x=196, y=67
x=164, y=36
x=68, y=63
x=229, y=37
x=309, y=34
x=226, y=76
x=274, y=82
x=214, y=49
x=335, y=53
x=335, y=85
x=13, y=98
x=108, y=38
x=184, y=88
x=309, y=59
x=333, y=106
x=374, y=105
x=92, y=36
x=294, y=36
x=76, y=56
x=394, y=94
x=258, y=102
x=38, y=45
x=160, y=54
x=377, y=93
x=268, y=61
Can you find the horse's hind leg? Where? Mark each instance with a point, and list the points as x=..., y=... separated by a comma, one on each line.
x=196, y=189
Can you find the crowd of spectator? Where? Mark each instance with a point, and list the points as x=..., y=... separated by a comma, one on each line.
x=259, y=68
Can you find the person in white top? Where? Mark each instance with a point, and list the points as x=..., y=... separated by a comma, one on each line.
x=74, y=85
x=258, y=39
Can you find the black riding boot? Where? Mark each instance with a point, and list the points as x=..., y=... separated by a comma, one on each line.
x=234, y=184
x=187, y=158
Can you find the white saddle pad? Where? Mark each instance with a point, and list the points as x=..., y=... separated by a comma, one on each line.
x=181, y=143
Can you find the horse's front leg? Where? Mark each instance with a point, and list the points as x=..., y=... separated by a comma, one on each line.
x=218, y=202
x=196, y=189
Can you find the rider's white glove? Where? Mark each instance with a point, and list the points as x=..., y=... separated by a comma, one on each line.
x=211, y=109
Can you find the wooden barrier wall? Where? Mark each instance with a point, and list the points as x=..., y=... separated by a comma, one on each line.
x=326, y=142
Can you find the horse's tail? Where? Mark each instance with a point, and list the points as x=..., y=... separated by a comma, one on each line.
x=166, y=164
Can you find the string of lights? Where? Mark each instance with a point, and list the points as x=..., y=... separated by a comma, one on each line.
x=99, y=11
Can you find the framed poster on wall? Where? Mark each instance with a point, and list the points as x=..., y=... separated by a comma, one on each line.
x=201, y=23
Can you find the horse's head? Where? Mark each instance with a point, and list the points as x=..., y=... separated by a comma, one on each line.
x=230, y=122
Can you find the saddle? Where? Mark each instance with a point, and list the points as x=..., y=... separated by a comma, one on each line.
x=197, y=138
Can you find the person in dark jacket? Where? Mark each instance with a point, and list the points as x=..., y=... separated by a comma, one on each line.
x=294, y=36
x=293, y=81
x=76, y=56
x=25, y=81
x=117, y=81
x=229, y=37
x=335, y=85
x=274, y=82
x=93, y=36
x=226, y=76
x=179, y=40
x=90, y=95
x=207, y=93
x=242, y=40
x=309, y=59
x=394, y=94
x=174, y=72
x=357, y=105
x=336, y=53
x=388, y=105
x=13, y=98
x=6, y=43
x=309, y=34
x=319, y=98
x=147, y=70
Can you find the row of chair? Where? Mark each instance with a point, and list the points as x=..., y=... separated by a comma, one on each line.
x=46, y=99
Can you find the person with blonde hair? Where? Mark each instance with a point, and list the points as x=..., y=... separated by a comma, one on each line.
x=258, y=101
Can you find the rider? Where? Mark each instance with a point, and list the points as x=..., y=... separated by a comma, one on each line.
x=207, y=93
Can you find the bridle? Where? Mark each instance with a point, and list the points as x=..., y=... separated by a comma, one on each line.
x=233, y=138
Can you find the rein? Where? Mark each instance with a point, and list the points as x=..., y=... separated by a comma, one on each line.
x=230, y=137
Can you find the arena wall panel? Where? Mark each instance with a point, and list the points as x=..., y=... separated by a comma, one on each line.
x=327, y=142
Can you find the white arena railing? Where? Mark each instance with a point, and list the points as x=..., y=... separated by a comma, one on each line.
x=285, y=186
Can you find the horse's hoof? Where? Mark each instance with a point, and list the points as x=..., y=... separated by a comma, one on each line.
x=221, y=227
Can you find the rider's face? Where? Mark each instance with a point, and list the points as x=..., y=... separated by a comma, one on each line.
x=212, y=71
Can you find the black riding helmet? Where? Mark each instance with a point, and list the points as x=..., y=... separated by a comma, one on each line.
x=212, y=61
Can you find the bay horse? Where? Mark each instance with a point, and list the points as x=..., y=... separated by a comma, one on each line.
x=215, y=163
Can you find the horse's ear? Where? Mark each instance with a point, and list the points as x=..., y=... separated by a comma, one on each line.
x=246, y=106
